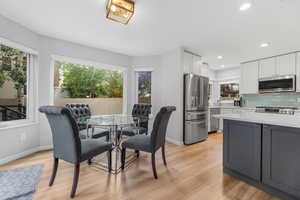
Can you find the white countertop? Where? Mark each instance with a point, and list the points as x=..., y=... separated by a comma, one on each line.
x=264, y=118
x=232, y=107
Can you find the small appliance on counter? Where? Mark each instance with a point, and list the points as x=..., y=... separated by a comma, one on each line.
x=276, y=110
x=195, y=115
x=237, y=101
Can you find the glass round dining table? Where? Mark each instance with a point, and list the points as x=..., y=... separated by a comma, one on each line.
x=114, y=124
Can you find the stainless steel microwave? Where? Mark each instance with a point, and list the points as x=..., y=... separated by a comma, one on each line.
x=277, y=84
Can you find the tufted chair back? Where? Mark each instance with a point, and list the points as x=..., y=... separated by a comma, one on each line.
x=142, y=110
x=65, y=133
x=80, y=112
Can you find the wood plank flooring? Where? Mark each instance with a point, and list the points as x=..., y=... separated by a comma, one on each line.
x=193, y=173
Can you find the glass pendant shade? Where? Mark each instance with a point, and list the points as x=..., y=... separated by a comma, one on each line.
x=120, y=10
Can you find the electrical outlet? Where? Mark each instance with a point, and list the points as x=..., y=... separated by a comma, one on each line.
x=22, y=138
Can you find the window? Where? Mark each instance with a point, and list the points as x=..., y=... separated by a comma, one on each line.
x=229, y=91
x=143, y=89
x=14, y=75
x=100, y=88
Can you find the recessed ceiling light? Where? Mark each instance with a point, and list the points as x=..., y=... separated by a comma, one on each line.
x=220, y=57
x=264, y=44
x=222, y=66
x=245, y=6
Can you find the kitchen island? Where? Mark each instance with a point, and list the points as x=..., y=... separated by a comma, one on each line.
x=263, y=150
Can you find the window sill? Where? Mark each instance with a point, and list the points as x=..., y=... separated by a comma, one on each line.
x=12, y=125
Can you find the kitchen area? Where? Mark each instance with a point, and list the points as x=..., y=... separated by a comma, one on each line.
x=261, y=142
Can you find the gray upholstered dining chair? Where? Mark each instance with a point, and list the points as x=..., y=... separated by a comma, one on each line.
x=82, y=112
x=153, y=142
x=141, y=111
x=67, y=145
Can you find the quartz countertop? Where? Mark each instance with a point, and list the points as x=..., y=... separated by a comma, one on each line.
x=264, y=118
x=232, y=107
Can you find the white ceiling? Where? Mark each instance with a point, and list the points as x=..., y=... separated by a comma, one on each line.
x=207, y=27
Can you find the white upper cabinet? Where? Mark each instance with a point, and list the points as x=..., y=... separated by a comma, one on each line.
x=298, y=72
x=192, y=63
x=277, y=66
x=267, y=67
x=286, y=65
x=187, y=62
x=249, y=78
x=197, y=65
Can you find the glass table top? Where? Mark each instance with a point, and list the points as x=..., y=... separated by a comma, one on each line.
x=113, y=120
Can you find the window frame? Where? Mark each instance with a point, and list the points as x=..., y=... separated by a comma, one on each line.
x=32, y=87
x=229, y=81
x=136, y=86
x=59, y=58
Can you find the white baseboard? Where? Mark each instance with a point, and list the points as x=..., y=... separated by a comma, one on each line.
x=23, y=154
x=47, y=147
x=180, y=143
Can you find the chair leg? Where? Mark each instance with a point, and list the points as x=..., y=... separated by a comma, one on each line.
x=123, y=156
x=75, y=180
x=109, y=160
x=89, y=161
x=164, y=155
x=153, y=165
x=137, y=152
x=54, y=170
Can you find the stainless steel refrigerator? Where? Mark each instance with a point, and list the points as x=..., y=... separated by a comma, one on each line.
x=195, y=119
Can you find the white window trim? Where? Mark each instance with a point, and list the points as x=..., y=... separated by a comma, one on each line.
x=32, y=88
x=18, y=46
x=88, y=63
x=141, y=69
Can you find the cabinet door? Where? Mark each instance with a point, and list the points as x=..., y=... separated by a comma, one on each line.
x=298, y=72
x=224, y=111
x=281, y=160
x=267, y=68
x=242, y=148
x=187, y=62
x=249, y=78
x=286, y=65
x=197, y=66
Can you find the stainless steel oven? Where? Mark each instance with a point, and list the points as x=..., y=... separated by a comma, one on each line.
x=277, y=84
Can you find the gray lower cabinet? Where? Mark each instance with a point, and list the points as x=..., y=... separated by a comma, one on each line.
x=242, y=148
x=281, y=158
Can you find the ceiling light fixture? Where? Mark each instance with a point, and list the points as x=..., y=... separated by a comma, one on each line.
x=120, y=10
x=222, y=66
x=220, y=57
x=264, y=45
x=245, y=5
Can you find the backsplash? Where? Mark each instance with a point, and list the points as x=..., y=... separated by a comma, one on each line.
x=272, y=99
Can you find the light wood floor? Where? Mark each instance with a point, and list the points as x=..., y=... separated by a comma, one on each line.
x=193, y=173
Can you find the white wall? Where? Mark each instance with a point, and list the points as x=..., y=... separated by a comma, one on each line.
x=17, y=140
x=228, y=74
x=172, y=92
